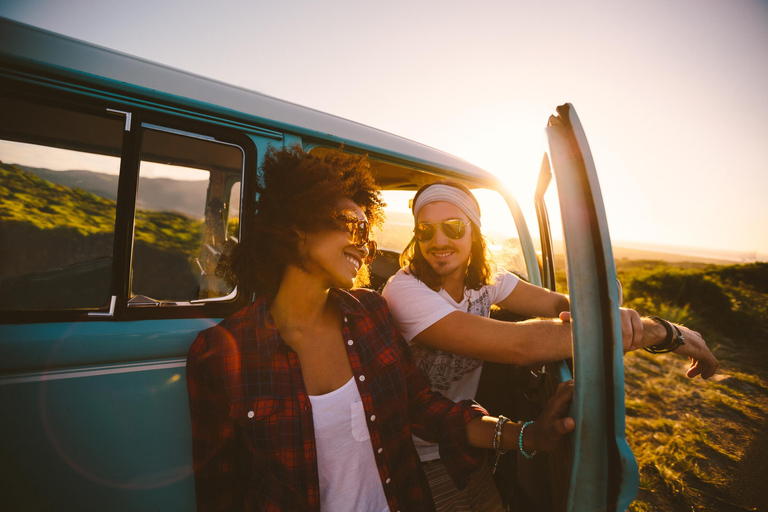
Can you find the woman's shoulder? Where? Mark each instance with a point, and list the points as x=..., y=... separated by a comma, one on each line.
x=242, y=318
x=227, y=329
x=367, y=302
x=368, y=298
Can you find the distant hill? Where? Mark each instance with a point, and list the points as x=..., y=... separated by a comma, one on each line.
x=162, y=194
x=28, y=199
x=100, y=184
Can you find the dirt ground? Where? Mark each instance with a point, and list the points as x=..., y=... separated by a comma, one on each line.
x=738, y=481
x=748, y=487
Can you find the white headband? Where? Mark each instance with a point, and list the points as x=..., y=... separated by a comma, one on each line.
x=448, y=194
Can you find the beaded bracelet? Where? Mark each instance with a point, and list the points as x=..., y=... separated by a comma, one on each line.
x=497, y=441
x=520, y=441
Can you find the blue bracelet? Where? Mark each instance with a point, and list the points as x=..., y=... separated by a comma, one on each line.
x=520, y=441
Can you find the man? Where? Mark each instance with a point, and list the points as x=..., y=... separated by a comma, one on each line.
x=441, y=300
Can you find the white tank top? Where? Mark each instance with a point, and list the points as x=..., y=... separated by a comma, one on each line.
x=349, y=478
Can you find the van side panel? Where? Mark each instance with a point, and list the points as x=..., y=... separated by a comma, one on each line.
x=96, y=432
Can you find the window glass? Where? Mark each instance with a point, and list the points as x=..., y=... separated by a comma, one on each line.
x=398, y=228
x=58, y=186
x=187, y=211
x=552, y=201
x=500, y=232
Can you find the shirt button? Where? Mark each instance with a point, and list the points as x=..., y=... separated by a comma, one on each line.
x=380, y=450
x=251, y=414
x=350, y=342
x=387, y=480
x=373, y=417
x=362, y=378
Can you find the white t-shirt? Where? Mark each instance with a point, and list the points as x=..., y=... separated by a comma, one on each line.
x=415, y=307
x=349, y=477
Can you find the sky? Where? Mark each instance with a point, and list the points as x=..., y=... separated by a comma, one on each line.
x=672, y=94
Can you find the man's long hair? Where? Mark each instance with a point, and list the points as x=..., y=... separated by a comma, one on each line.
x=479, y=270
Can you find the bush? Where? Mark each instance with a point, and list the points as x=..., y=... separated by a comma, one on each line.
x=729, y=300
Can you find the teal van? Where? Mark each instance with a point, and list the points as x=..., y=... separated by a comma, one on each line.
x=122, y=184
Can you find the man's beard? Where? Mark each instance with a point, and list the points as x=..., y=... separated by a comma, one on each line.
x=443, y=268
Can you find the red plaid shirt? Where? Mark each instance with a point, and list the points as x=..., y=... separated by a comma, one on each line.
x=252, y=430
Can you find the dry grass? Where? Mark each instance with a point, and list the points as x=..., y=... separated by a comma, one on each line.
x=700, y=445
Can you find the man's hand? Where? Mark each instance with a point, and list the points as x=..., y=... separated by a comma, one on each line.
x=552, y=424
x=703, y=362
x=631, y=328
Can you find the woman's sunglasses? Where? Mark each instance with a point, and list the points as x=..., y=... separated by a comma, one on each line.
x=360, y=231
x=452, y=228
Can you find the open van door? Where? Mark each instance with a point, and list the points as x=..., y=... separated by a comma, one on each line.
x=603, y=470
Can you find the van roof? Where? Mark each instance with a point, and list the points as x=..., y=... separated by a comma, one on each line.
x=25, y=46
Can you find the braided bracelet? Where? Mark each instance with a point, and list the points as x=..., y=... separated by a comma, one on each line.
x=673, y=340
x=497, y=441
x=520, y=441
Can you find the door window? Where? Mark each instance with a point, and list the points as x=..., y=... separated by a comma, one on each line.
x=187, y=212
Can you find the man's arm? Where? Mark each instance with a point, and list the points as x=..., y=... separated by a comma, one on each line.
x=534, y=301
x=525, y=343
x=529, y=300
x=529, y=343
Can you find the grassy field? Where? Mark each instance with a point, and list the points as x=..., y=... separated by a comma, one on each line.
x=700, y=445
x=26, y=199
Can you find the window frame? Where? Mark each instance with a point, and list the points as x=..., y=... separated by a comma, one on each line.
x=130, y=155
x=229, y=181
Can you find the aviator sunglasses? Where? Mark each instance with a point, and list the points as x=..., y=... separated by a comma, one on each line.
x=452, y=228
x=360, y=231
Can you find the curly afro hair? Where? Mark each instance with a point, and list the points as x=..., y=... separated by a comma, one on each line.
x=300, y=190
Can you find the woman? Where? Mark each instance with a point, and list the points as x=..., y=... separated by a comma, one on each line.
x=307, y=398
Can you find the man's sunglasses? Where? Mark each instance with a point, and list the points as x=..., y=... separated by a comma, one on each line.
x=452, y=228
x=360, y=231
